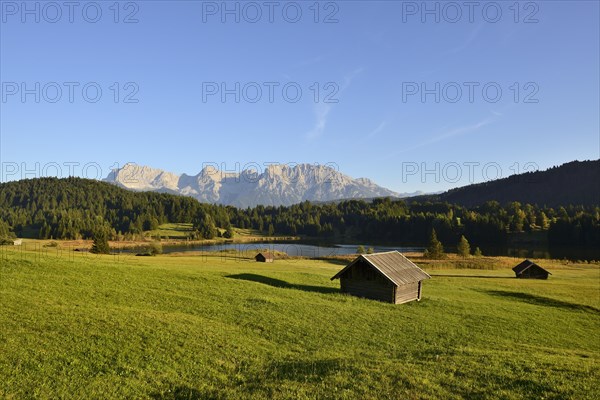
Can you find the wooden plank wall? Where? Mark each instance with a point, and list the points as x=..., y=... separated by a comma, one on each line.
x=534, y=273
x=374, y=289
x=408, y=292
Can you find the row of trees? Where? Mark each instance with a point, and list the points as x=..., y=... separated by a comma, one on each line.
x=435, y=248
x=75, y=208
x=396, y=221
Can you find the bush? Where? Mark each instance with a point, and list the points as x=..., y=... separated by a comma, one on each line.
x=155, y=248
x=6, y=241
x=228, y=232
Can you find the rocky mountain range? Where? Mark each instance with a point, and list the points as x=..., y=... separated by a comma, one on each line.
x=275, y=185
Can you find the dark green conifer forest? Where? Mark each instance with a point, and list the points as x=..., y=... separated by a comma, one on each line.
x=75, y=208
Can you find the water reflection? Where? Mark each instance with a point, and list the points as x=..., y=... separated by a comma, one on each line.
x=291, y=249
x=312, y=250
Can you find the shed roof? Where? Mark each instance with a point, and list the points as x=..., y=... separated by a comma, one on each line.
x=265, y=254
x=519, y=269
x=393, y=265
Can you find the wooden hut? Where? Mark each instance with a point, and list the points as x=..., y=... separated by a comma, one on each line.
x=388, y=277
x=264, y=257
x=530, y=270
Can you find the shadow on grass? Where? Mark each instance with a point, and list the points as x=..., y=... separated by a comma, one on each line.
x=287, y=374
x=333, y=260
x=472, y=276
x=180, y=393
x=542, y=301
x=518, y=387
x=282, y=284
x=303, y=371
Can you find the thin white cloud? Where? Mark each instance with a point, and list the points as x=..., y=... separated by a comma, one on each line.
x=377, y=130
x=462, y=130
x=458, y=131
x=348, y=78
x=322, y=110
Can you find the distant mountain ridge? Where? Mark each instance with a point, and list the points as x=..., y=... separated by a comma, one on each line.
x=576, y=182
x=276, y=185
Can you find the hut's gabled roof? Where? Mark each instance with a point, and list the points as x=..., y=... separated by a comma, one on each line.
x=519, y=269
x=393, y=265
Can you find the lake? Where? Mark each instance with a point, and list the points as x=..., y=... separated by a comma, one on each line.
x=292, y=249
x=312, y=249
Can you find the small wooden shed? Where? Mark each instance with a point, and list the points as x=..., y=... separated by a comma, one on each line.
x=387, y=276
x=264, y=257
x=530, y=270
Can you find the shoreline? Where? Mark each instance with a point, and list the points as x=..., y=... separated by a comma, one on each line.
x=132, y=244
x=581, y=255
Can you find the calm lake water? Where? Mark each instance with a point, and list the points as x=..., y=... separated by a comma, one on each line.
x=326, y=250
x=292, y=249
x=572, y=253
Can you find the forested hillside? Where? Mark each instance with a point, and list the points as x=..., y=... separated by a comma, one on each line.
x=77, y=208
x=577, y=182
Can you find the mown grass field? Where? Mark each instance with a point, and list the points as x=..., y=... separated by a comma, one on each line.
x=83, y=326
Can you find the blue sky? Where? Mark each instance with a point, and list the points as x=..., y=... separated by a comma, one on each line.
x=371, y=62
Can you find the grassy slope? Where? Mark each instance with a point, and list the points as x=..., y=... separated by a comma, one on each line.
x=205, y=327
x=178, y=233
x=182, y=231
x=172, y=230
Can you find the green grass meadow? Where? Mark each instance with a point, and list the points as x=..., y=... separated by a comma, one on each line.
x=76, y=325
x=173, y=231
x=183, y=230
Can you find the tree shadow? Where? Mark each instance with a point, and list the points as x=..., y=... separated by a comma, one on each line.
x=282, y=372
x=333, y=260
x=521, y=387
x=278, y=283
x=542, y=301
x=303, y=371
x=181, y=392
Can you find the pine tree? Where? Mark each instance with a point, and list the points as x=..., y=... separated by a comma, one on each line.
x=477, y=252
x=435, y=249
x=464, y=248
x=361, y=249
x=542, y=220
x=100, y=245
x=207, y=228
x=271, y=230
